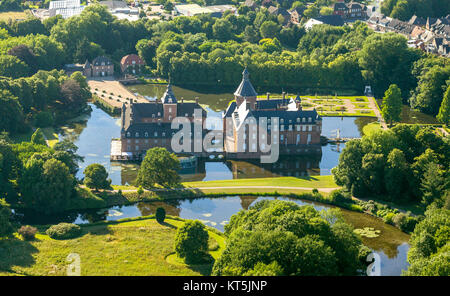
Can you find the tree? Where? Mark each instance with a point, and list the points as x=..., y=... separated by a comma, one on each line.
x=191, y=241
x=11, y=66
x=158, y=167
x=432, y=183
x=269, y=29
x=392, y=104
x=6, y=227
x=444, y=111
x=297, y=238
x=38, y=138
x=429, y=252
x=385, y=59
x=46, y=186
x=222, y=30
x=96, y=176
x=12, y=119
x=160, y=215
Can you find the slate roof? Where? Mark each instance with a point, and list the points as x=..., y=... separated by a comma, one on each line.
x=168, y=96
x=188, y=108
x=245, y=89
x=163, y=130
x=101, y=59
x=270, y=104
x=333, y=20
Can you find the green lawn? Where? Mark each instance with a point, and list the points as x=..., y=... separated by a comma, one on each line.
x=13, y=15
x=371, y=128
x=308, y=182
x=138, y=247
x=49, y=133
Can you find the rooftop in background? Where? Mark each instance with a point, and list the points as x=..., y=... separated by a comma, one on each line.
x=64, y=4
x=193, y=9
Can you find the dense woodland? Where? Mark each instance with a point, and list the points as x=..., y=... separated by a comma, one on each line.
x=210, y=52
x=405, y=9
x=406, y=164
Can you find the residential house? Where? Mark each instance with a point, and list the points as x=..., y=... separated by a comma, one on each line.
x=332, y=20
x=132, y=64
x=297, y=14
x=349, y=10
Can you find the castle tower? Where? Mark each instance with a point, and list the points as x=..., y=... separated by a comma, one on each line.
x=245, y=91
x=169, y=104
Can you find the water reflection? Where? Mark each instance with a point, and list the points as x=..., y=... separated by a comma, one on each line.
x=93, y=133
x=391, y=244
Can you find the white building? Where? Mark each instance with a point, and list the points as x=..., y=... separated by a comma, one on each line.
x=64, y=4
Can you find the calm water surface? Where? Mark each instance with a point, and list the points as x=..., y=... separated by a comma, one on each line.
x=93, y=134
x=391, y=245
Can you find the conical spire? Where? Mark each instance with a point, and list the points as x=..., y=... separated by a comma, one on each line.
x=245, y=89
x=168, y=96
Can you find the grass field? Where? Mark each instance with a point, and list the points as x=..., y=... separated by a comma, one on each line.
x=325, y=181
x=13, y=15
x=137, y=247
x=49, y=133
x=371, y=128
x=308, y=182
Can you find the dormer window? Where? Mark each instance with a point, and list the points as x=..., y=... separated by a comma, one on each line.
x=303, y=119
x=156, y=134
x=146, y=134
x=309, y=119
x=153, y=115
x=159, y=114
x=163, y=134
x=137, y=135
x=298, y=119
x=128, y=134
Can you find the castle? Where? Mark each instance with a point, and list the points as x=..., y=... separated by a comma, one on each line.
x=299, y=130
x=148, y=125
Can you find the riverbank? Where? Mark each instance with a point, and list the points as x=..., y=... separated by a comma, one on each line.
x=136, y=246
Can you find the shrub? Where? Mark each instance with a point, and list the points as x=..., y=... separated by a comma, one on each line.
x=405, y=222
x=388, y=218
x=160, y=215
x=191, y=241
x=43, y=119
x=64, y=231
x=315, y=191
x=140, y=190
x=27, y=232
x=340, y=195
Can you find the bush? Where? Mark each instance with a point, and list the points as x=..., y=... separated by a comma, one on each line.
x=388, y=218
x=315, y=191
x=405, y=222
x=191, y=241
x=43, y=119
x=64, y=231
x=160, y=215
x=27, y=232
x=340, y=195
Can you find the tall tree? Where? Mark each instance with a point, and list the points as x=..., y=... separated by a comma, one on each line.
x=96, y=176
x=444, y=111
x=158, y=167
x=392, y=104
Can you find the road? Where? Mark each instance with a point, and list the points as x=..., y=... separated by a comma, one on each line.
x=373, y=105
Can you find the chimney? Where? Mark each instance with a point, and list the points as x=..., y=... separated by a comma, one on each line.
x=268, y=96
x=182, y=100
x=284, y=95
x=196, y=100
